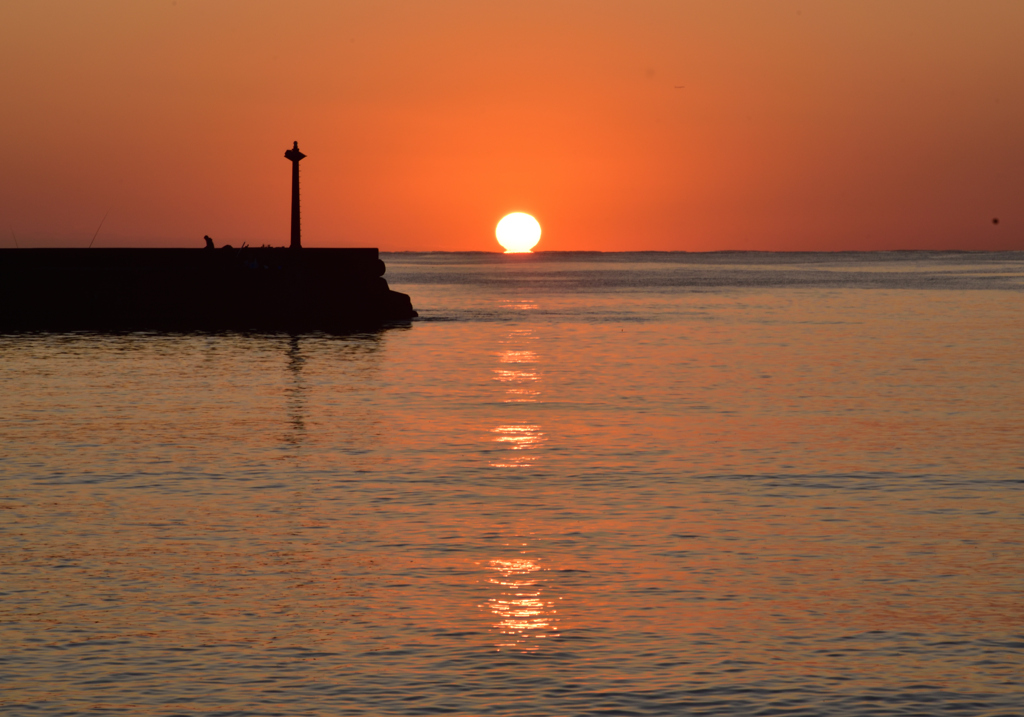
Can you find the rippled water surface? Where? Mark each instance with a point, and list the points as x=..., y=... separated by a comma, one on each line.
x=646, y=484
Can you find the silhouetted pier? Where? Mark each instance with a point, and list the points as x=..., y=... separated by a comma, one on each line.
x=206, y=289
x=196, y=289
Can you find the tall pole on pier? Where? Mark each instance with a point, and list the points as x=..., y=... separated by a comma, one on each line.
x=295, y=155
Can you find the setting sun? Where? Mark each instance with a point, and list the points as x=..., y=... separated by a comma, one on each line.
x=518, y=232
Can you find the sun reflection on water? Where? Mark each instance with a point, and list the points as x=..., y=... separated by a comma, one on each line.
x=514, y=375
x=512, y=356
x=520, y=380
x=524, y=614
x=522, y=385
x=517, y=437
x=521, y=395
x=519, y=304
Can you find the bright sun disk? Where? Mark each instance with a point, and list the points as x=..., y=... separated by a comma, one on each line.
x=518, y=232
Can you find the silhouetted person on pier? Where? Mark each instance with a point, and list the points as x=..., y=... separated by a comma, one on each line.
x=209, y=242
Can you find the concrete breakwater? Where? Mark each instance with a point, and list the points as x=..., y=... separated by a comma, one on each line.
x=260, y=289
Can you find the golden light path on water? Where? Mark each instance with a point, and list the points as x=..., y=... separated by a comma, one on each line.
x=518, y=372
x=524, y=614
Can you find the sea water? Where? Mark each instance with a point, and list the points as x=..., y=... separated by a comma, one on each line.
x=578, y=484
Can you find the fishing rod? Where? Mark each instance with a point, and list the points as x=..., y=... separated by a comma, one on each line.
x=98, y=229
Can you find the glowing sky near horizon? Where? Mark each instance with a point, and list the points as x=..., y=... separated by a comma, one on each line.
x=657, y=125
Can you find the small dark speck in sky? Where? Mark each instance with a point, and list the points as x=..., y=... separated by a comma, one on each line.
x=995, y=220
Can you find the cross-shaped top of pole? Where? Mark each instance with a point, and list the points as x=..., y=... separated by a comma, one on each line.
x=295, y=155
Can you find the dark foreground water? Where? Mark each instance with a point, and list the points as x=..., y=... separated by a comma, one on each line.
x=642, y=484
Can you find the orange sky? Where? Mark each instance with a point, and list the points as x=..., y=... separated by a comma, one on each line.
x=799, y=126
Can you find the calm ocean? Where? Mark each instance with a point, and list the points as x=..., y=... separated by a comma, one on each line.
x=579, y=484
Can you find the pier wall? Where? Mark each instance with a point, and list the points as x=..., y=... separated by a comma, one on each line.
x=263, y=289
